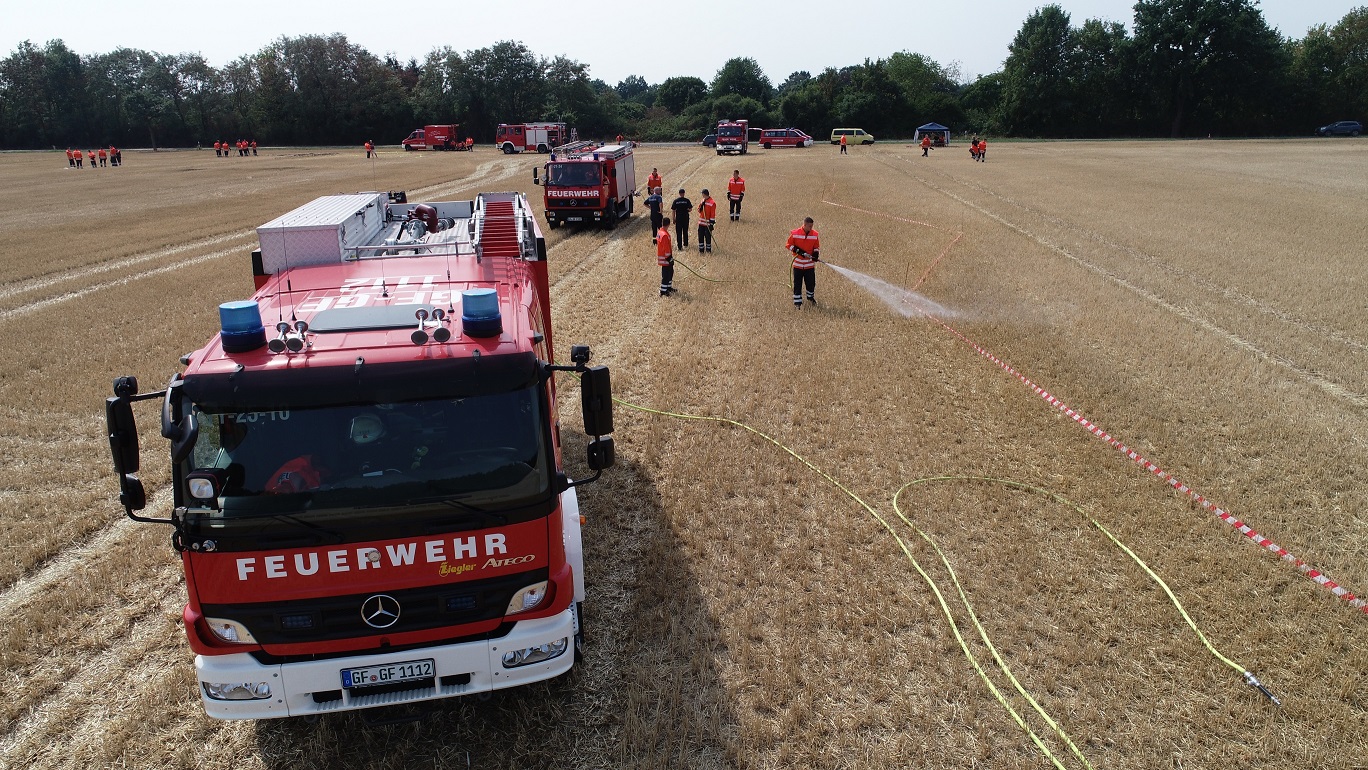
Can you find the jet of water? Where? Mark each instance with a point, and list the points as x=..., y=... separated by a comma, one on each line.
x=903, y=301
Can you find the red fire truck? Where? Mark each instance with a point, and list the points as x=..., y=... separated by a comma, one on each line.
x=369, y=500
x=588, y=183
x=733, y=136
x=443, y=137
x=539, y=137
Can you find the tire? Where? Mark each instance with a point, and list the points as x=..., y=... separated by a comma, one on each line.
x=719, y=152
x=1353, y=133
x=407, y=148
x=553, y=223
x=767, y=145
x=508, y=149
x=543, y=149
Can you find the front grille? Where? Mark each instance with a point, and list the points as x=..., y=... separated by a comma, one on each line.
x=339, y=617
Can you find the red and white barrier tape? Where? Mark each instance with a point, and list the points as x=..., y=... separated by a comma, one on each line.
x=1168, y=478
x=1240, y=526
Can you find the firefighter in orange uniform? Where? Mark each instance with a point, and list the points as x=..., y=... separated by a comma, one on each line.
x=736, y=190
x=103, y=155
x=804, y=245
x=665, y=258
x=707, y=217
x=254, y=146
x=90, y=157
x=843, y=144
x=71, y=162
x=926, y=145
x=653, y=181
x=217, y=148
x=983, y=151
x=370, y=148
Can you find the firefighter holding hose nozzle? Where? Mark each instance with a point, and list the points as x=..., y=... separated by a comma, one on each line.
x=804, y=244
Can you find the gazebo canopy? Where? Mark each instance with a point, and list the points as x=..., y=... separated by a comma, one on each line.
x=936, y=130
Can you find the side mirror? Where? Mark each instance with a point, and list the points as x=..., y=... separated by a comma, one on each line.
x=596, y=395
x=601, y=454
x=123, y=434
x=131, y=493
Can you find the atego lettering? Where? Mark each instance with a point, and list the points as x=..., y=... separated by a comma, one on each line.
x=491, y=546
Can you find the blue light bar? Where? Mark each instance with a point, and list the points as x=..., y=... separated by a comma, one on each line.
x=240, y=324
x=480, y=313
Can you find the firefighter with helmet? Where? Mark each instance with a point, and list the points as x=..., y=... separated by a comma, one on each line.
x=804, y=244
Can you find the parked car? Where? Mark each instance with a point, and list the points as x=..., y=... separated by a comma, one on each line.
x=784, y=137
x=852, y=135
x=1342, y=128
x=710, y=140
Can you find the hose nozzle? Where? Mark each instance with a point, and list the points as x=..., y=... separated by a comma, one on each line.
x=1253, y=681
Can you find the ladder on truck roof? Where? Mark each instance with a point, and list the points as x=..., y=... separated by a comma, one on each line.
x=503, y=227
x=575, y=149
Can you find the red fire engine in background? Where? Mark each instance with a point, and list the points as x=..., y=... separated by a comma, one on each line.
x=733, y=136
x=588, y=183
x=369, y=500
x=437, y=137
x=537, y=137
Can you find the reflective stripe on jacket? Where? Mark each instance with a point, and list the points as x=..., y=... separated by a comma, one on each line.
x=802, y=245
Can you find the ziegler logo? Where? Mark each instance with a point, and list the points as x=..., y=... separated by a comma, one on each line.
x=572, y=193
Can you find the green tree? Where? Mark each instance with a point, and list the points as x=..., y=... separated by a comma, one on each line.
x=1213, y=60
x=1038, y=98
x=1104, y=91
x=678, y=93
x=743, y=77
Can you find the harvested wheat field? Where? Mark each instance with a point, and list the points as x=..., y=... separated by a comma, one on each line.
x=759, y=603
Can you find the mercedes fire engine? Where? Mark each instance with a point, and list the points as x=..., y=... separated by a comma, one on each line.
x=368, y=494
x=588, y=183
x=534, y=137
x=733, y=136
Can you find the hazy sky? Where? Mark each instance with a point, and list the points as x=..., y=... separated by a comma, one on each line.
x=655, y=39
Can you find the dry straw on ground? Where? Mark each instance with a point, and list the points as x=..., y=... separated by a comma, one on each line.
x=1202, y=301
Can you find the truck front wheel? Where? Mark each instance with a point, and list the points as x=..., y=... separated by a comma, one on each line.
x=508, y=149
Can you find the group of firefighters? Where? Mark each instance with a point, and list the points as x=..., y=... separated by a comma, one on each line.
x=243, y=147
x=802, y=242
x=110, y=157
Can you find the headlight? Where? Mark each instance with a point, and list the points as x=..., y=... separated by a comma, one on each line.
x=529, y=655
x=230, y=631
x=528, y=598
x=237, y=690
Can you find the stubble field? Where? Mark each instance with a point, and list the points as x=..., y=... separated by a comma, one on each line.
x=1203, y=303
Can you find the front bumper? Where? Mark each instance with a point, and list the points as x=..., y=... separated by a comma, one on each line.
x=294, y=685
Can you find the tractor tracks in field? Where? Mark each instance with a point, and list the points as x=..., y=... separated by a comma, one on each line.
x=84, y=281
x=1303, y=372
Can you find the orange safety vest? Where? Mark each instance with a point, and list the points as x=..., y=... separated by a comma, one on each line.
x=102, y=153
x=90, y=154
x=707, y=211
x=735, y=186
x=68, y=154
x=926, y=140
x=808, y=243
x=843, y=136
x=369, y=147
x=664, y=248
x=653, y=181
x=216, y=145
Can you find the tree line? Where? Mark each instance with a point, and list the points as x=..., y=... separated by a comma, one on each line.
x=1186, y=68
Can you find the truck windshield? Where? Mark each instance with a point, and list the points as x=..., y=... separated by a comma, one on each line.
x=573, y=175
x=732, y=131
x=488, y=452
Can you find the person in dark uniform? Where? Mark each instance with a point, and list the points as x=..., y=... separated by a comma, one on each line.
x=681, y=207
x=654, y=202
